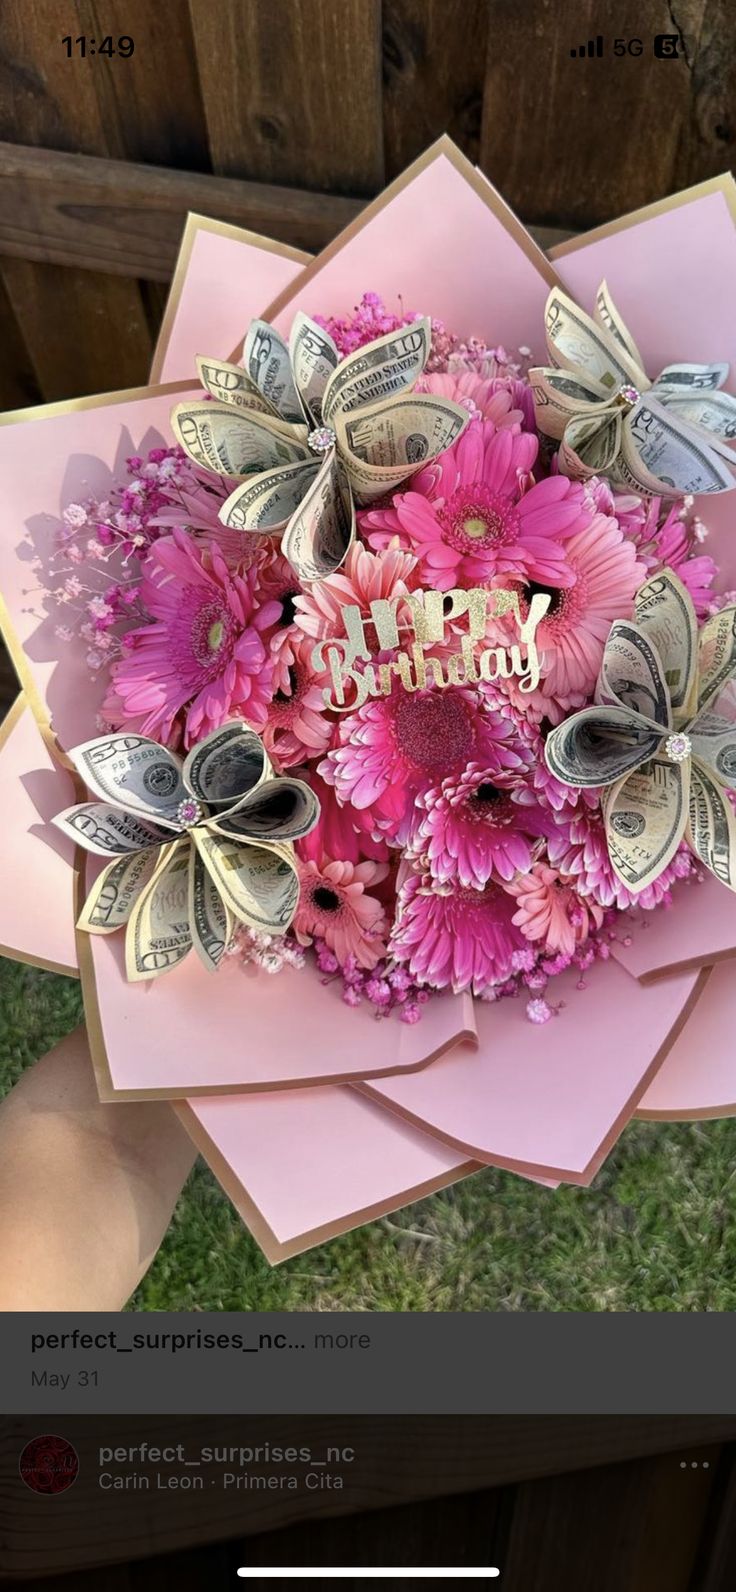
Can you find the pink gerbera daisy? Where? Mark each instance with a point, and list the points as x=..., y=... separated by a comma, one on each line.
x=473, y=516
x=454, y=937
x=579, y=849
x=364, y=578
x=203, y=656
x=605, y=575
x=504, y=400
x=395, y=748
x=480, y=824
x=297, y=726
x=277, y=583
x=334, y=906
x=550, y=912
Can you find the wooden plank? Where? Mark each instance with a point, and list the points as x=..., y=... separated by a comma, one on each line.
x=715, y=1570
x=52, y=101
x=433, y=76
x=150, y=104
x=634, y=1525
x=87, y=332
x=574, y=142
x=292, y=90
x=708, y=142
x=404, y=1459
x=125, y=218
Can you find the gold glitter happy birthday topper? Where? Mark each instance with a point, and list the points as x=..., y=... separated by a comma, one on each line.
x=428, y=647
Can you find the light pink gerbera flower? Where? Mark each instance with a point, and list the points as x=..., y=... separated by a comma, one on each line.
x=297, y=726
x=579, y=849
x=334, y=906
x=203, y=655
x=606, y=573
x=364, y=578
x=481, y=824
x=504, y=400
x=453, y=937
x=472, y=516
x=550, y=912
x=395, y=748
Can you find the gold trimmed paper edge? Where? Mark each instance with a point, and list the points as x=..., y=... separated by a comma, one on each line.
x=194, y=224
x=11, y=953
x=724, y=184
x=443, y=148
x=277, y=1250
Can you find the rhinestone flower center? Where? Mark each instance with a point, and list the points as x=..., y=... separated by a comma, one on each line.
x=321, y=439
x=189, y=812
x=678, y=747
x=629, y=393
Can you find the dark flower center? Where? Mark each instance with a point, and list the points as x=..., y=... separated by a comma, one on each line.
x=488, y=792
x=288, y=608
x=555, y=594
x=326, y=899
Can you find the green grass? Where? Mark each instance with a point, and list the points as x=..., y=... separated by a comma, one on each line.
x=656, y=1232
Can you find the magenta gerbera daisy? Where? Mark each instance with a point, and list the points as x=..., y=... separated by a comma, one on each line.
x=481, y=824
x=395, y=748
x=455, y=938
x=335, y=906
x=474, y=515
x=277, y=583
x=202, y=659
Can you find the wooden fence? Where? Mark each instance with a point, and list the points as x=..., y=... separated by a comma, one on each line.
x=285, y=115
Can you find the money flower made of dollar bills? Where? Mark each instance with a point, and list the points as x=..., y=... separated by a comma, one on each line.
x=194, y=845
x=662, y=737
x=657, y=438
x=312, y=434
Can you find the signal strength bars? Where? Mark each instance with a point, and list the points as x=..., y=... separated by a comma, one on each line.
x=592, y=48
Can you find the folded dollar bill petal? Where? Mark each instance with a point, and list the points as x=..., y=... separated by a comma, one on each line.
x=229, y=384
x=599, y=745
x=711, y=829
x=713, y=739
x=109, y=831
x=658, y=437
x=314, y=356
x=633, y=676
x=209, y=918
x=258, y=883
x=267, y=362
x=665, y=613
x=134, y=773
x=281, y=809
x=159, y=936
x=716, y=656
x=226, y=765
x=266, y=502
x=115, y=892
x=321, y=532
x=645, y=815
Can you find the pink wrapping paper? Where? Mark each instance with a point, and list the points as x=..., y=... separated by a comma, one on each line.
x=36, y=861
x=549, y=1101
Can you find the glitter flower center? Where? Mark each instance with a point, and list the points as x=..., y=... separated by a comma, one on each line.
x=321, y=439
x=475, y=518
x=434, y=732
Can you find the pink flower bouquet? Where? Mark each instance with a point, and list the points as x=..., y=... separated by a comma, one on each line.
x=368, y=689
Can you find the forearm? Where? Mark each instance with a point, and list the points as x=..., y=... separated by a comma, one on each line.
x=86, y=1190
